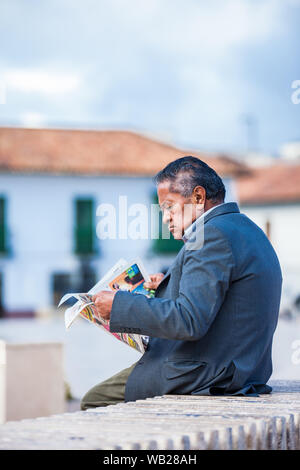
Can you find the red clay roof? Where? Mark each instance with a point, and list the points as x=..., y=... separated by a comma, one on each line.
x=279, y=183
x=94, y=152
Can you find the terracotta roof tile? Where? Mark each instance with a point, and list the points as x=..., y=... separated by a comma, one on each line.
x=94, y=152
x=273, y=184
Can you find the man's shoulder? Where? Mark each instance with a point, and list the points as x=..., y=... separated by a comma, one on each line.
x=233, y=226
x=224, y=232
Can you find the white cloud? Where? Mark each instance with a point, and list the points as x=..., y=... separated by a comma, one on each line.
x=197, y=26
x=185, y=68
x=40, y=81
x=2, y=92
x=32, y=119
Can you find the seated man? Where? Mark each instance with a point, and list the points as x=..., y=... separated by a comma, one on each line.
x=210, y=325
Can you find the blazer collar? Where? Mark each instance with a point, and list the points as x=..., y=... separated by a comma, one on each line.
x=221, y=209
x=225, y=208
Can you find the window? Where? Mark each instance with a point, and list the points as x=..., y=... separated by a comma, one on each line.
x=85, y=277
x=1, y=296
x=61, y=285
x=3, y=231
x=82, y=280
x=84, y=227
x=164, y=245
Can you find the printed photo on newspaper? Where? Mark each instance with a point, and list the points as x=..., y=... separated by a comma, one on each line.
x=126, y=276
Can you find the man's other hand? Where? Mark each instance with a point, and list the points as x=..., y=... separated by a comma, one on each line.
x=154, y=281
x=103, y=301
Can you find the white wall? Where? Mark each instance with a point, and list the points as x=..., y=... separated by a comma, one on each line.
x=40, y=220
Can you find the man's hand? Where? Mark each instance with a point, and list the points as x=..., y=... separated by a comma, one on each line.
x=103, y=301
x=155, y=280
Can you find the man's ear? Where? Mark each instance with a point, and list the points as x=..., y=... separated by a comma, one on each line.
x=199, y=195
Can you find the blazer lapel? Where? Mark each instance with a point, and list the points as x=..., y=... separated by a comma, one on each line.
x=162, y=282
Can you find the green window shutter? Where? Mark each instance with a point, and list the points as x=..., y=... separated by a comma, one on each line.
x=2, y=225
x=84, y=228
x=164, y=245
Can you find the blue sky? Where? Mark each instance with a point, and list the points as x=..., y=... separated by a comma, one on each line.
x=190, y=73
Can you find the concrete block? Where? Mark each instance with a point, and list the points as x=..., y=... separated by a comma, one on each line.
x=238, y=438
x=31, y=380
x=262, y=434
x=297, y=430
x=291, y=432
x=280, y=432
x=225, y=439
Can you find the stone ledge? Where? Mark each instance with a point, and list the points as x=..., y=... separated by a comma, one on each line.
x=180, y=422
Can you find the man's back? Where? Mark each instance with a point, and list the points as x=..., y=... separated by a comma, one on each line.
x=249, y=313
x=214, y=315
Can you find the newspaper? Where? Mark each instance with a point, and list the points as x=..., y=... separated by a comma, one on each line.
x=126, y=276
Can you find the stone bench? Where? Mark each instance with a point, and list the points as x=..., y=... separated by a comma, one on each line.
x=180, y=422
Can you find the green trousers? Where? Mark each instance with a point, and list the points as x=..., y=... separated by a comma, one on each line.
x=109, y=392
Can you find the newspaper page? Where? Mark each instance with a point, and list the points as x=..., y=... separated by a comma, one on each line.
x=122, y=276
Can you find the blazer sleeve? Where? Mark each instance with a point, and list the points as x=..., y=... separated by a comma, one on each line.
x=205, y=279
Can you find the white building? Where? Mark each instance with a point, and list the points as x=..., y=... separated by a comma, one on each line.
x=51, y=184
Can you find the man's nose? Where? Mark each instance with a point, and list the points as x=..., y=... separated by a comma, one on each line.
x=166, y=217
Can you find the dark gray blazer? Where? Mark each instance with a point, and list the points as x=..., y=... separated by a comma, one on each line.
x=212, y=320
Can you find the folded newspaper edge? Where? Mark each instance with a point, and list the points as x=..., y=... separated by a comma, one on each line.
x=72, y=313
x=85, y=307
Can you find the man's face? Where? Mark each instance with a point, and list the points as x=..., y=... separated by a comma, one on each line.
x=178, y=211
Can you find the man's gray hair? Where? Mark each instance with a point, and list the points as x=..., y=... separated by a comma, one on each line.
x=185, y=173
